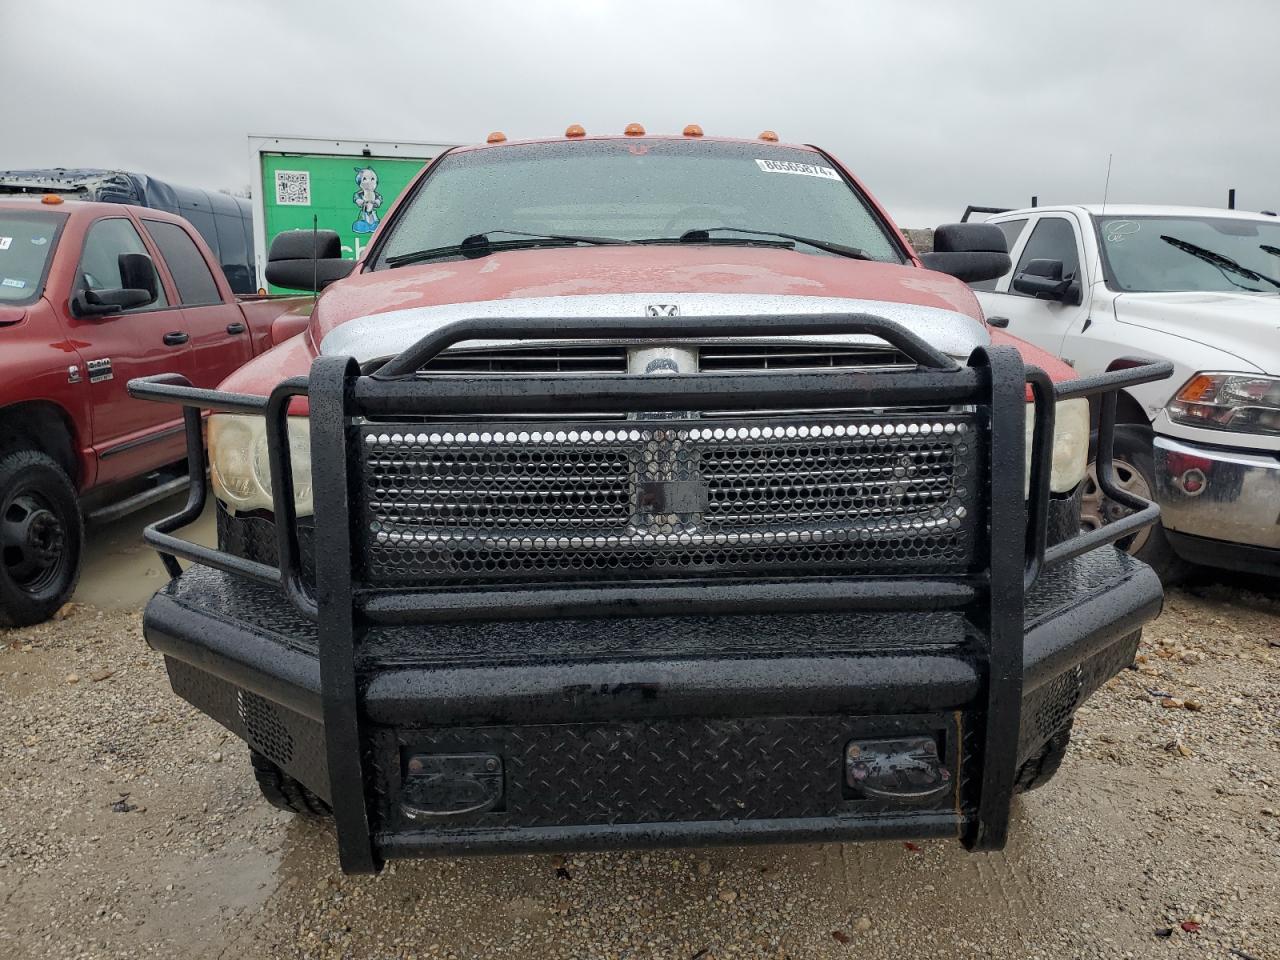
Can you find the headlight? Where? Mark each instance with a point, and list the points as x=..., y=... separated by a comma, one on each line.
x=1070, y=444
x=1242, y=402
x=241, y=470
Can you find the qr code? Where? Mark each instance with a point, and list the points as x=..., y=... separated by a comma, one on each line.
x=293, y=188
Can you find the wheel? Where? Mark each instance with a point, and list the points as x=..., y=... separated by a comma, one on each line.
x=1039, y=770
x=41, y=536
x=285, y=792
x=1135, y=472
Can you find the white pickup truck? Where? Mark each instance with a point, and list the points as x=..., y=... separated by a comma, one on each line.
x=1199, y=287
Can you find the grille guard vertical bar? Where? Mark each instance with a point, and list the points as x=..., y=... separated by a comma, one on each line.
x=288, y=552
x=340, y=698
x=1003, y=611
x=1041, y=471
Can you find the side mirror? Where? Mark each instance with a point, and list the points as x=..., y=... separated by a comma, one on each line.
x=139, y=286
x=969, y=252
x=1043, y=280
x=306, y=259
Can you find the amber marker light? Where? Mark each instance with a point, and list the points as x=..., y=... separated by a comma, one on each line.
x=693, y=130
x=769, y=135
x=496, y=137
x=51, y=199
x=634, y=130
x=575, y=131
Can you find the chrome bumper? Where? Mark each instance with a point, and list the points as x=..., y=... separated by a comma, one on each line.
x=1229, y=495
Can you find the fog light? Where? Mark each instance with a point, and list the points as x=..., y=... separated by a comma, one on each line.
x=1192, y=482
x=903, y=770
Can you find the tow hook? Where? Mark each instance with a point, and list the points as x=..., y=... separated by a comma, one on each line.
x=904, y=770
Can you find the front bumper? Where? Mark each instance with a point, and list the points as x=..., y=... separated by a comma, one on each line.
x=1219, y=495
x=660, y=731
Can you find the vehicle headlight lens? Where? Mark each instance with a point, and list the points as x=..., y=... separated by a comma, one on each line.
x=1070, y=444
x=1242, y=402
x=241, y=470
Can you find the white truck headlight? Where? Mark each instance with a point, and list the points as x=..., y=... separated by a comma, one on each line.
x=1242, y=402
x=1070, y=444
x=239, y=466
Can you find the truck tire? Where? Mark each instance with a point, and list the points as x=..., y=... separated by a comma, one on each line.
x=1039, y=769
x=41, y=537
x=285, y=792
x=1135, y=469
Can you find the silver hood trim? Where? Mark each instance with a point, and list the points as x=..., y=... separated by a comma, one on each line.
x=381, y=336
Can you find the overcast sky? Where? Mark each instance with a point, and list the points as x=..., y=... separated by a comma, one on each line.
x=933, y=104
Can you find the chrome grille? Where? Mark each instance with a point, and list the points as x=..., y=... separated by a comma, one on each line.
x=555, y=502
x=556, y=358
x=746, y=356
x=612, y=358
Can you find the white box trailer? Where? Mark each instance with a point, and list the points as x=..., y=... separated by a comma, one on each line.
x=342, y=185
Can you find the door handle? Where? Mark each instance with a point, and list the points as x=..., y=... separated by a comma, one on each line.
x=235, y=327
x=999, y=322
x=175, y=338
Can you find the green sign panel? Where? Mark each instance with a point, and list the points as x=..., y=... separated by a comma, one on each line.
x=346, y=194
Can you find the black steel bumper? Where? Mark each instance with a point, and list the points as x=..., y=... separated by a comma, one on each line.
x=596, y=685
x=655, y=710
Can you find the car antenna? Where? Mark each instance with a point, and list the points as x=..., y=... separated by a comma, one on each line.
x=315, y=257
x=1106, y=189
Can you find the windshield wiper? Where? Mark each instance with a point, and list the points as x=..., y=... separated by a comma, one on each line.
x=1221, y=262
x=702, y=235
x=480, y=244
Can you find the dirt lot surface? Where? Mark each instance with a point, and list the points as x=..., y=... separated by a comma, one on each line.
x=132, y=827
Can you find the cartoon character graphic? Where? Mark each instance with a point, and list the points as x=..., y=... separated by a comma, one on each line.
x=368, y=199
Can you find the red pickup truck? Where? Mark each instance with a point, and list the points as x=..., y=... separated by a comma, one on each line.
x=651, y=490
x=92, y=295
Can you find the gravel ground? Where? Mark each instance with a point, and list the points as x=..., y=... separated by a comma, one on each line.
x=132, y=828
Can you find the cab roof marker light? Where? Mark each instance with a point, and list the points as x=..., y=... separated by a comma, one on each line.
x=52, y=199
x=496, y=137
x=634, y=130
x=768, y=135
x=693, y=130
x=574, y=131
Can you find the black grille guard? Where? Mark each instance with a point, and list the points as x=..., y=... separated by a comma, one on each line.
x=994, y=381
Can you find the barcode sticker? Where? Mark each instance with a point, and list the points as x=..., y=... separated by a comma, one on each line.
x=803, y=169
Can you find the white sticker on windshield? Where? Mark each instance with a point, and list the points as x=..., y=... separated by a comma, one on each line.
x=804, y=169
x=6, y=282
x=4, y=242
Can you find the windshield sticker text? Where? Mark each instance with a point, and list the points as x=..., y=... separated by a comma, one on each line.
x=4, y=242
x=804, y=169
x=7, y=282
x=1118, y=231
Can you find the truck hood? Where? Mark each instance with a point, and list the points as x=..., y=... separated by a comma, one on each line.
x=376, y=315
x=1245, y=325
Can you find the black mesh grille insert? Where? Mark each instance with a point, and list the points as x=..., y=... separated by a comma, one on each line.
x=471, y=503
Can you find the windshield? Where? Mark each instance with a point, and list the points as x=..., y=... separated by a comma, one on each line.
x=1137, y=258
x=638, y=190
x=26, y=247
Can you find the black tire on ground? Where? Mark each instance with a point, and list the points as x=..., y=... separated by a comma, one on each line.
x=1135, y=467
x=283, y=791
x=41, y=537
x=1039, y=769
